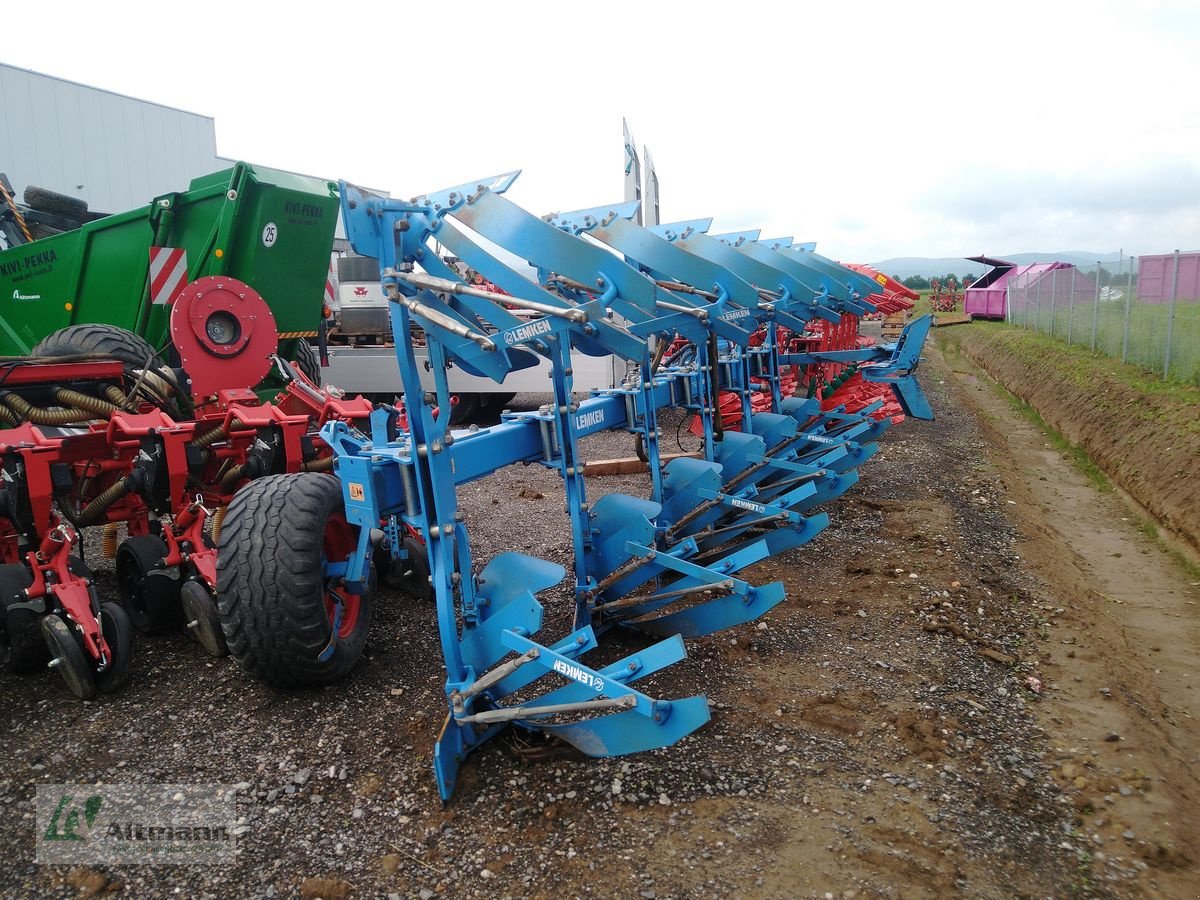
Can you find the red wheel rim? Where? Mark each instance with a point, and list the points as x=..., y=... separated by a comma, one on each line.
x=336, y=546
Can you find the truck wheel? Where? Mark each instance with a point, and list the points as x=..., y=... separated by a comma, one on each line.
x=308, y=361
x=21, y=646
x=465, y=410
x=285, y=622
x=46, y=200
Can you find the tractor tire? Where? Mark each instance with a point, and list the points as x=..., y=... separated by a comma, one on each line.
x=308, y=361
x=76, y=340
x=53, y=202
x=277, y=609
x=21, y=646
x=151, y=600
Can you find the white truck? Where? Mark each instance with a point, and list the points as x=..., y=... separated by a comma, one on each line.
x=362, y=357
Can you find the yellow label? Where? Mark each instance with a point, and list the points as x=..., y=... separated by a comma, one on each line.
x=881, y=278
x=356, y=491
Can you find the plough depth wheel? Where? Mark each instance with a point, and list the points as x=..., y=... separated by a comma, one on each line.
x=282, y=553
x=149, y=594
x=21, y=646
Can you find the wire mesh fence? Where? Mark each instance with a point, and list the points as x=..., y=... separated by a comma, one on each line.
x=1142, y=310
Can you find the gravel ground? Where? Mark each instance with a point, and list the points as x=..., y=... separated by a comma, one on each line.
x=872, y=736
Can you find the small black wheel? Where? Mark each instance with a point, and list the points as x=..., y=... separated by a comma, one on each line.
x=147, y=589
x=118, y=634
x=411, y=576
x=68, y=658
x=309, y=361
x=639, y=447
x=21, y=646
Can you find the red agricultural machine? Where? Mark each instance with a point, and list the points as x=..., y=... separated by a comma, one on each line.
x=145, y=384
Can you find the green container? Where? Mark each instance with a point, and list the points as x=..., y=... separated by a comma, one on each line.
x=273, y=230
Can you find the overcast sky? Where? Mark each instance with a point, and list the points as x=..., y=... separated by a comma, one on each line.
x=878, y=130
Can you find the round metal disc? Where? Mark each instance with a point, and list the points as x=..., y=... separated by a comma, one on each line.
x=202, y=619
x=68, y=657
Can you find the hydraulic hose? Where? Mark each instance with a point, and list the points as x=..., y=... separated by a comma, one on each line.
x=68, y=397
x=324, y=464
x=40, y=415
x=102, y=501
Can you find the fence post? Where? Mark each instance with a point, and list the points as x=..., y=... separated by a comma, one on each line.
x=1053, y=291
x=1128, y=306
x=1096, y=307
x=1071, y=306
x=1038, y=318
x=1171, y=317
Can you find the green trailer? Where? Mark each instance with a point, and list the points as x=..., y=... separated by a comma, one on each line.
x=272, y=230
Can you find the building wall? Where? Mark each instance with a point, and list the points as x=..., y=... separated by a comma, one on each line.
x=116, y=152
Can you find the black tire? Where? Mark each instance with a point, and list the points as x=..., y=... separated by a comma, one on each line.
x=409, y=576
x=151, y=600
x=417, y=584
x=309, y=361
x=357, y=268
x=129, y=348
x=639, y=447
x=22, y=649
x=118, y=634
x=465, y=410
x=53, y=202
x=498, y=401
x=271, y=591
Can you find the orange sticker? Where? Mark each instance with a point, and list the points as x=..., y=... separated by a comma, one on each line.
x=356, y=491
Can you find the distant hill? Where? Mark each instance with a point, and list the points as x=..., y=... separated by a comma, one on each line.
x=929, y=266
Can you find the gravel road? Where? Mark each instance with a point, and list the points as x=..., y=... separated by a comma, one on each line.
x=875, y=735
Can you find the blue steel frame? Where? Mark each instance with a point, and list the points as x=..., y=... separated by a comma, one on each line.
x=668, y=566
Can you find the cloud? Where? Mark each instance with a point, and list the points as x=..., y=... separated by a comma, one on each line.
x=1152, y=188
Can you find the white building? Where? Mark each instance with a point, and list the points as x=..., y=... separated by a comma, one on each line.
x=115, y=152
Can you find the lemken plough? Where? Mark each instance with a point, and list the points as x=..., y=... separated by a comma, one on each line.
x=673, y=565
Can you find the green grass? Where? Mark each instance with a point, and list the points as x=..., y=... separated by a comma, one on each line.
x=1148, y=324
x=1165, y=399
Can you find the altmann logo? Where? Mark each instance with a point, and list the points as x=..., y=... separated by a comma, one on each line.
x=17, y=295
x=589, y=419
x=746, y=504
x=526, y=332
x=733, y=315
x=583, y=676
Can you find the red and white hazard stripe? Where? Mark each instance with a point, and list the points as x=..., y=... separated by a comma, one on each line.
x=329, y=294
x=168, y=274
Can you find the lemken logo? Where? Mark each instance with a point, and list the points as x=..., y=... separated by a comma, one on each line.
x=581, y=675
x=589, y=419
x=17, y=295
x=746, y=504
x=526, y=332
x=733, y=315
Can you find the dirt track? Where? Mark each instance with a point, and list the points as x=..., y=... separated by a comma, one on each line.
x=878, y=737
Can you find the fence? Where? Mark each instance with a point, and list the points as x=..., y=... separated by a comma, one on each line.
x=1141, y=310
